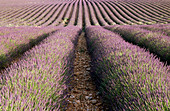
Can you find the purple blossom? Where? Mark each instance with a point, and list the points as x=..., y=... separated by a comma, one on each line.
x=42, y=86
x=127, y=75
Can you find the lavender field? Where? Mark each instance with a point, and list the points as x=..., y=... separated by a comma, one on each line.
x=82, y=12
x=128, y=42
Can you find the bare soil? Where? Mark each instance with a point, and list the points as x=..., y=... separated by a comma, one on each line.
x=84, y=95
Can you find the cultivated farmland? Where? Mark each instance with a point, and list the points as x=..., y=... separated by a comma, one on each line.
x=78, y=55
x=83, y=13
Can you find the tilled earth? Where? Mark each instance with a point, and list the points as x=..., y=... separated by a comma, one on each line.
x=83, y=96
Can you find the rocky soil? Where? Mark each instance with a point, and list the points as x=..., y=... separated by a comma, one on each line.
x=83, y=96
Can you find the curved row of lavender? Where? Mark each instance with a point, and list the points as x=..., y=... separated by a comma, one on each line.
x=129, y=19
x=16, y=40
x=157, y=43
x=79, y=19
x=146, y=12
x=96, y=12
x=104, y=13
x=149, y=15
x=129, y=77
x=87, y=20
x=148, y=1
x=7, y=3
x=98, y=15
x=162, y=28
x=38, y=80
x=73, y=17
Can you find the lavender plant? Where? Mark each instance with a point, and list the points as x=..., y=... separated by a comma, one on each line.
x=129, y=77
x=74, y=13
x=92, y=14
x=99, y=15
x=16, y=40
x=48, y=16
x=162, y=28
x=58, y=20
x=112, y=16
x=86, y=14
x=80, y=14
x=157, y=43
x=104, y=13
x=37, y=81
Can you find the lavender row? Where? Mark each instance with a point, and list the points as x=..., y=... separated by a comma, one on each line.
x=47, y=16
x=92, y=14
x=116, y=13
x=104, y=13
x=86, y=14
x=138, y=10
x=99, y=15
x=158, y=9
x=39, y=13
x=155, y=10
x=130, y=14
x=16, y=12
x=33, y=14
x=124, y=15
x=74, y=13
x=16, y=40
x=17, y=3
x=54, y=15
x=68, y=15
x=162, y=28
x=157, y=43
x=148, y=17
x=38, y=80
x=58, y=20
x=111, y=15
x=135, y=12
x=129, y=77
x=22, y=18
x=145, y=13
x=43, y=15
x=18, y=17
x=80, y=14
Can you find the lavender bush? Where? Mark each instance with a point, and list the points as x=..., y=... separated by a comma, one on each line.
x=42, y=14
x=37, y=81
x=130, y=20
x=104, y=13
x=136, y=12
x=48, y=16
x=99, y=15
x=162, y=28
x=16, y=40
x=155, y=42
x=129, y=77
x=92, y=14
x=73, y=16
x=67, y=17
x=58, y=20
x=117, y=14
x=53, y=17
x=111, y=15
x=80, y=14
x=86, y=14
x=131, y=14
x=83, y=13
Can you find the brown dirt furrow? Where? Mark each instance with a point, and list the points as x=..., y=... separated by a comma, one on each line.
x=83, y=96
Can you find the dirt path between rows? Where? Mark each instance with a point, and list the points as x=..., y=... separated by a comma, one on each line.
x=83, y=96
